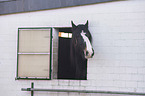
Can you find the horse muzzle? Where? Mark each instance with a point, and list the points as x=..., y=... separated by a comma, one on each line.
x=89, y=54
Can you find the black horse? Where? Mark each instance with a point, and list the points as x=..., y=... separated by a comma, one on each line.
x=80, y=50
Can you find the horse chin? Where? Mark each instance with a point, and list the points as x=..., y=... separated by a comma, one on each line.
x=87, y=57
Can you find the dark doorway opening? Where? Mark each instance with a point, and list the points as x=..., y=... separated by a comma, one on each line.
x=65, y=70
x=64, y=54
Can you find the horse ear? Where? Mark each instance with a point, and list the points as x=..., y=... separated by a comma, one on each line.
x=86, y=24
x=73, y=25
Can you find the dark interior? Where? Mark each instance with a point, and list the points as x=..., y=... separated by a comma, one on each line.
x=64, y=56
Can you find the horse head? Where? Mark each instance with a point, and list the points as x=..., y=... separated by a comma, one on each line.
x=82, y=40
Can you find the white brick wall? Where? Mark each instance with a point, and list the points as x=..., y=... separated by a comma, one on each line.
x=118, y=30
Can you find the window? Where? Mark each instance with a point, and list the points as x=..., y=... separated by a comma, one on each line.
x=65, y=70
x=34, y=53
x=65, y=35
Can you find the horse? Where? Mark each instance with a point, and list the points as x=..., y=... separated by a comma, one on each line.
x=80, y=50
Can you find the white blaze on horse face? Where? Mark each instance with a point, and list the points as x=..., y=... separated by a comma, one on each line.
x=88, y=48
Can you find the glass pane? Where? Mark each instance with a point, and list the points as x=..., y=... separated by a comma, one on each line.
x=33, y=65
x=34, y=40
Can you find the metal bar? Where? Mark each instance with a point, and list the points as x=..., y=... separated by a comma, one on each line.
x=32, y=78
x=34, y=53
x=32, y=86
x=51, y=53
x=80, y=91
x=17, y=50
x=35, y=28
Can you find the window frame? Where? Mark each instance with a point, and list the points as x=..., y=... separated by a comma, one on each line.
x=50, y=62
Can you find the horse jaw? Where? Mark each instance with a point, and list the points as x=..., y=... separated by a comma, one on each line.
x=88, y=52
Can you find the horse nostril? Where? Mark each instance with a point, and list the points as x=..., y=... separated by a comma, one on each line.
x=87, y=53
x=92, y=55
x=93, y=52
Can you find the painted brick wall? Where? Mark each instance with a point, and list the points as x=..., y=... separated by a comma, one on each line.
x=118, y=30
